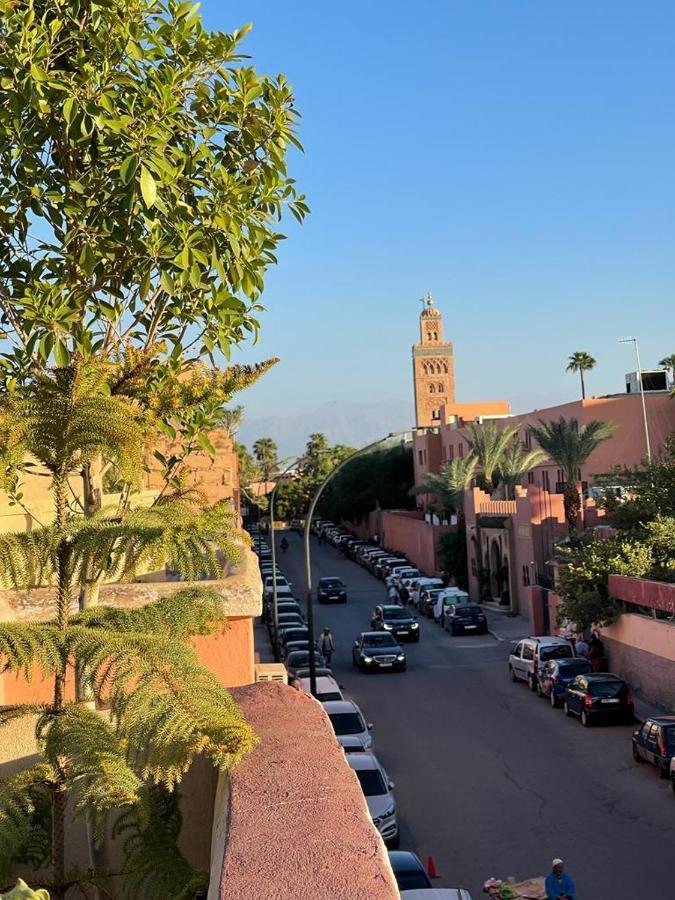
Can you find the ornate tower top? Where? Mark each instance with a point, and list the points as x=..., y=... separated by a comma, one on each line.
x=430, y=311
x=433, y=367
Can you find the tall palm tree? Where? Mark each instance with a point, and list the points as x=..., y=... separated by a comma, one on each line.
x=450, y=484
x=516, y=462
x=265, y=452
x=668, y=363
x=488, y=443
x=570, y=445
x=581, y=362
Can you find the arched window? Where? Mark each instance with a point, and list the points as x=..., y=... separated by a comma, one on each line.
x=445, y=368
x=429, y=336
x=435, y=335
x=441, y=389
x=432, y=388
x=425, y=369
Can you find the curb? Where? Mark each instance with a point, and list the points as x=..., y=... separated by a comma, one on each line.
x=496, y=636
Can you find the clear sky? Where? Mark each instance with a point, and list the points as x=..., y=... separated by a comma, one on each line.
x=514, y=157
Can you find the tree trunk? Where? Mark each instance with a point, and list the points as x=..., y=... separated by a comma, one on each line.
x=59, y=801
x=572, y=501
x=92, y=501
x=583, y=386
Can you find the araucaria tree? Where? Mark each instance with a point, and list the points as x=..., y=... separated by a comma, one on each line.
x=581, y=362
x=163, y=706
x=569, y=445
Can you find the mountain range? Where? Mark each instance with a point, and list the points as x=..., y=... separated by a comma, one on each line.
x=354, y=424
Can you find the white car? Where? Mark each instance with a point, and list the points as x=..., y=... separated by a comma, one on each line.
x=349, y=725
x=419, y=583
x=451, y=595
x=280, y=582
x=401, y=573
x=378, y=791
x=327, y=688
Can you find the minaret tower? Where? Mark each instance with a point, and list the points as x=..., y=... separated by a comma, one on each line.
x=433, y=368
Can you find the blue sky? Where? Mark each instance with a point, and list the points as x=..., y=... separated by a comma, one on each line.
x=515, y=158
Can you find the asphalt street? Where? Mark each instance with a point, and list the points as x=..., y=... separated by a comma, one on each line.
x=489, y=779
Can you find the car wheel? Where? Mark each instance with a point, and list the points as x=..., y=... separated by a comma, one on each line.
x=585, y=719
x=636, y=754
x=531, y=683
x=553, y=700
x=512, y=674
x=568, y=711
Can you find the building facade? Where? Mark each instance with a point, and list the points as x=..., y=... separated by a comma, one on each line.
x=433, y=368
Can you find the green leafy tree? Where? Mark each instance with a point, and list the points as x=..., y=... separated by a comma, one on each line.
x=581, y=362
x=383, y=477
x=569, y=445
x=488, y=444
x=668, y=363
x=516, y=462
x=452, y=556
x=164, y=708
x=142, y=177
x=266, y=454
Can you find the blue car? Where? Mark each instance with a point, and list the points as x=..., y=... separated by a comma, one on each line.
x=557, y=674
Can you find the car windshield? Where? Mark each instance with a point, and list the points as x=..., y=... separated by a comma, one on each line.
x=670, y=739
x=555, y=651
x=605, y=688
x=299, y=658
x=379, y=640
x=396, y=612
x=574, y=667
x=409, y=881
x=372, y=782
x=469, y=610
x=333, y=584
x=329, y=695
x=347, y=723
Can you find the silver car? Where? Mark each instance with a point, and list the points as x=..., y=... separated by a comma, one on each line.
x=529, y=656
x=349, y=725
x=378, y=791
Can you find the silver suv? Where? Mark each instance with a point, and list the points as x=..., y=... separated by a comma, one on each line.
x=529, y=656
x=378, y=790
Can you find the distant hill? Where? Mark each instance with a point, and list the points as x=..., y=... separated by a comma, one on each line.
x=354, y=424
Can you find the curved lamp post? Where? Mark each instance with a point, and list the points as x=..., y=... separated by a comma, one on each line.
x=308, y=562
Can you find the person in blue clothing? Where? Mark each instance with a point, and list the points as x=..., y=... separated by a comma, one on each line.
x=559, y=885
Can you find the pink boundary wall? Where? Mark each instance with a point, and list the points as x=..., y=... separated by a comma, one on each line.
x=406, y=532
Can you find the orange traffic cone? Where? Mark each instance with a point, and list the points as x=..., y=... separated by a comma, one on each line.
x=431, y=868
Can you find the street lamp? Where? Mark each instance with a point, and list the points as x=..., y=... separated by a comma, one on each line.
x=634, y=341
x=308, y=562
x=275, y=602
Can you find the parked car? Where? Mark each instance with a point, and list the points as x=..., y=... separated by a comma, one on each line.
x=452, y=596
x=299, y=659
x=408, y=870
x=331, y=590
x=398, y=572
x=290, y=618
x=427, y=601
x=374, y=650
x=371, y=558
x=529, y=656
x=599, y=696
x=654, y=742
x=382, y=563
x=349, y=725
x=269, y=582
x=288, y=604
x=397, y=620
x=327, y=688
x=292, y=646
x=283, y=593
x=557, y=674
x=378, y=790
x=459, y=618
x=290, y=633
x=420, y=584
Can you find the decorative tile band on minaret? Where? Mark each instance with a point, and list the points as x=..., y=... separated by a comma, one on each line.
x=433, y=367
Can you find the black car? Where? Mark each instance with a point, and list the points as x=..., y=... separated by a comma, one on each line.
x=460, y=618
x=331, y=590
x=408, y=870
x=599, y=696
x=396, y=620
x=299, y=659
x=374, y=650
x=654, y=742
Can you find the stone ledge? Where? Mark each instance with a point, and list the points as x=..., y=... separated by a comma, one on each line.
x=297, y=821
x=241, y=591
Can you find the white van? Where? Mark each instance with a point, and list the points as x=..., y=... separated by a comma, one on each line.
x=446, y=598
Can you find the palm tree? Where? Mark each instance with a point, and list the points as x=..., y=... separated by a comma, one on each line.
x=488, y=443
x=668, y=363
x=570, y=445
x=581, y=362
x=451, y=484
x=516, y=462
x=265, y=452
x=163, y=707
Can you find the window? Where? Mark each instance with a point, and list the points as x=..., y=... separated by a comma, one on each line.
x=528, y=440
x=441, y=389
x=545, y=481
x=561, y=476
x=518, y=651
x=372, y=782
x=451, y=452
x=445, y=368
x=530, y=477
x=435, y=335
x=460, y=450
x=526, y=575
x=432, y=388
x=428, y=335
x=420, y=457
x=435, y=414
x=528, y=651
x=425, y=456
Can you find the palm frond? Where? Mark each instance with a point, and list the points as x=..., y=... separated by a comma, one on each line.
x=451, y=484
x=23, y=645
x=570, y=444
x=24, y=817
x=488, y=443
x=28, y=558
x=90, y=753
x=516, y=462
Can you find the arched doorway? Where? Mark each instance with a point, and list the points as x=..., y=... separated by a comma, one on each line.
x=495, y=570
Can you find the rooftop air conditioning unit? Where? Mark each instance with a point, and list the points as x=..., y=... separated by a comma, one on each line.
x=652, y=380
x=271, y=672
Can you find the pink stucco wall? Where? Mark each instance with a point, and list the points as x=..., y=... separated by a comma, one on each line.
x=408, y=533
x=643, y=592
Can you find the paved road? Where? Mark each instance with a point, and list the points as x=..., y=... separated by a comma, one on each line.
x=489, y=779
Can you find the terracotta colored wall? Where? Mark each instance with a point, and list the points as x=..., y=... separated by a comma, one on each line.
x=231, y=655
x=642, y=650
x=643, y=592
x=413, y=537
x=217, y=478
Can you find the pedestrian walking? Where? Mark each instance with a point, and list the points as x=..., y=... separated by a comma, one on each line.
x=596, y=652
x=393, y=594
x=327, y=644
x=581, y=647
x=404, y=594
x=559, y=885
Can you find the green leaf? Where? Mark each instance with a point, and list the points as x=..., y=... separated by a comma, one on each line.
x=69, y=110
x=128, y=169
x=61, y=354
x=87, y=259
x=205, y=444
x=148, y=187
x=167, y=282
